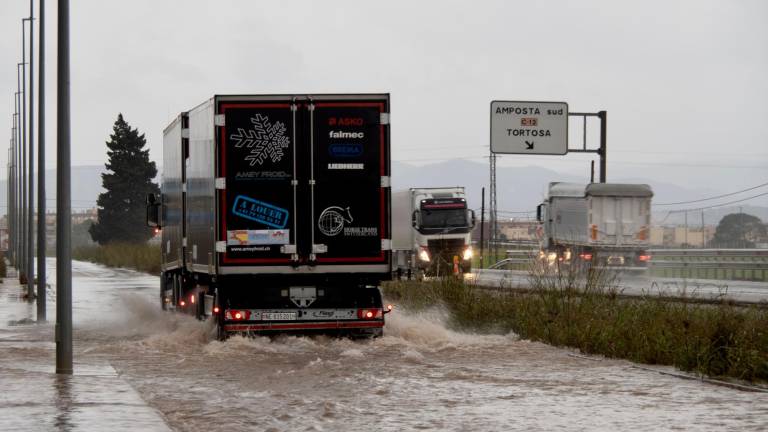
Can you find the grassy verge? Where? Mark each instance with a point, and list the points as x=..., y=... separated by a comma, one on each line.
x=142, y=257
x=587, y=313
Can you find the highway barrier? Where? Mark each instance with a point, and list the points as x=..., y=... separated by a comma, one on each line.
x=718, y=264
x=721, y=264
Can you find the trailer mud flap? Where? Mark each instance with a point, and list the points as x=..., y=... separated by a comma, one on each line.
x=277, y=327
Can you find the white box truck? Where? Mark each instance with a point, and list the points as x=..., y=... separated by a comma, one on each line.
x=431, y=232
x=605, y=224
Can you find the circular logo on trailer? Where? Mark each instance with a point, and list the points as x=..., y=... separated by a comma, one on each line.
x=331, y=221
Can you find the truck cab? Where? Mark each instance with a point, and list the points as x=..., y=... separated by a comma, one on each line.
x=432, y=235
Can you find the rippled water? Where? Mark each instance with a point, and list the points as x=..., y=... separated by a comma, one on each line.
x=420, y=375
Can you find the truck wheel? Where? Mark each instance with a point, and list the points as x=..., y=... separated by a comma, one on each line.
x=221, y=335
x=163, y=287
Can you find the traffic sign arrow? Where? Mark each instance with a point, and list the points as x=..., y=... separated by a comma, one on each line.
x=529, y=145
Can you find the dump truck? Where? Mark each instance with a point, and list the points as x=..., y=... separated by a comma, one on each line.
x=431, y=232
x=605, y=224
x=275, y=213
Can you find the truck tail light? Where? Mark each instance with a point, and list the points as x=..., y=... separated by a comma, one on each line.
x=586, y=256
x=644, y=257
x=369, y=314
x=237, y=315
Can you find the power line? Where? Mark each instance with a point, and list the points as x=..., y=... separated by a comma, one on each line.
x=670, y=212
x=714, y=197
x=718, y=205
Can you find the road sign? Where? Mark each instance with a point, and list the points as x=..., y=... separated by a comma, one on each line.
x=529, y=127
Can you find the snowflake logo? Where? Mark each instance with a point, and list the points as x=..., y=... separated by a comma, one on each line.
x=266, y=140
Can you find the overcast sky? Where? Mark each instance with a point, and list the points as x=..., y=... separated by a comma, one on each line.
x=684, y=82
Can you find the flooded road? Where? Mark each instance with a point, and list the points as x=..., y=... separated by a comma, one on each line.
x=419, y=376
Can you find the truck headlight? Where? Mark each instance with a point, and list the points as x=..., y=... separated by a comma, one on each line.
x=467, y=255
x=424, y=254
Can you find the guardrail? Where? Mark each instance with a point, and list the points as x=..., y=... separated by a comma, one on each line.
x=724, y=264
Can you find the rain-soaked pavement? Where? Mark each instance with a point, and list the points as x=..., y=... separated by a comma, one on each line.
x=138, y=368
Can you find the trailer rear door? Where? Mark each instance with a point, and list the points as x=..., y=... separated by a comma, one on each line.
x=350, y=205
x=303, y=183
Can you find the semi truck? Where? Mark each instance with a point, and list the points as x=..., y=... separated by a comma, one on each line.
x=275, y=213
x=431, y=232
x=605, y=224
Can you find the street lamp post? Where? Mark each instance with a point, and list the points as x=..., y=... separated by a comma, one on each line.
x=31, y=161
x=41, y=231
x=21, y=77
x=15, y=183
x=63, y=199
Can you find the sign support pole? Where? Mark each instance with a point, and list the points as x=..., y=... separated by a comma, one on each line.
x=603, y=150
x=492, y=239
x=603, y=144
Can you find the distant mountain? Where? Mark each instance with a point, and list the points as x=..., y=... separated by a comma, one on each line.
x=86, y=187
x=520, y=189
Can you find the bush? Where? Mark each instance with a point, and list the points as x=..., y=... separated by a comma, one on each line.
x=141, y=257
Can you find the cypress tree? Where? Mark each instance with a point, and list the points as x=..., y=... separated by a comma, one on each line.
x=128, y=180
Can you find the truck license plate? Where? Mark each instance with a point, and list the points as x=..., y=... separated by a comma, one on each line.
x=278, y=316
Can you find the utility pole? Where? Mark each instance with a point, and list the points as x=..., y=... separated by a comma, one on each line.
x=41, y=231
x=63, y=200
x=742, y=243
x=482, y=226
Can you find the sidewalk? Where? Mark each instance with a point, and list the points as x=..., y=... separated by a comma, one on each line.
x=34, y=398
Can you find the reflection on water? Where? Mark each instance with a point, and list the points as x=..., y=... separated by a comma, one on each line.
x=63, y=402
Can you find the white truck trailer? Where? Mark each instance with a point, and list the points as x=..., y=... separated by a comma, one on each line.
x=606, y=224
x=431, y=232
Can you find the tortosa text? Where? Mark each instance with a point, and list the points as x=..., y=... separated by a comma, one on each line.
x=529, y=132
x=518, y=110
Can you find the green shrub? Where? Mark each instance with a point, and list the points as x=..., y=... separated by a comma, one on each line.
x=141, y=257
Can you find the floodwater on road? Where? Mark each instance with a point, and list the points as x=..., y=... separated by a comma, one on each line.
x=419, y=376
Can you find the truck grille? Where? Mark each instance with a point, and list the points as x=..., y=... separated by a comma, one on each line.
x=446, y=248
